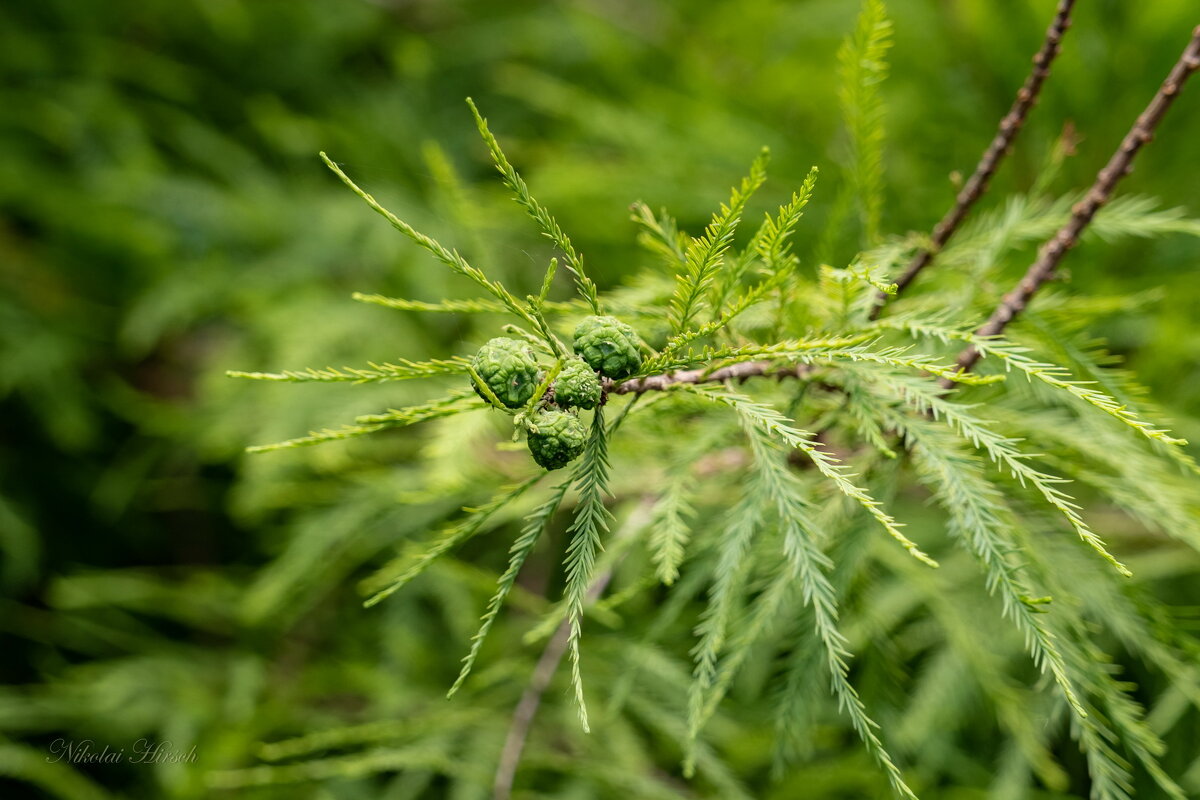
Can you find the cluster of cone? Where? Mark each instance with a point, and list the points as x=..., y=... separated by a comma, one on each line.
x=604, y=347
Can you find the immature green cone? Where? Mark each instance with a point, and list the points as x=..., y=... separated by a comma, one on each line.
x=608, y=345
x=509, y=369
x=577, y=385
x=556, y=438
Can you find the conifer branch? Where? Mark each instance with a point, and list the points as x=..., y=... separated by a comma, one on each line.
x=712, y=356
x=1001, y=449
x=806, y=566
x=455, y=403
x=805, y=353
x=548, y=224
x=450, y=258
x=1017, y=357
x=1000, y=145
x=739, y=372
x=532, y=530
x=730, y=574
x=382, y=585
x=774, y=424
x=660, y=236
x=704, y=256
x=556, y=648
x=1118, y=166
x=977, y=512
x=671, y=528
x=591, y=522
x=405, y=370
x=472, y=306
x=319, y=437
x=750, y=297
x=771, y=242
x=862, y=67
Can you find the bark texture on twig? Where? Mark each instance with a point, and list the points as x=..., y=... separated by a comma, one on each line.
x=740, y=372
x=1121, y=163
x=1000, y=145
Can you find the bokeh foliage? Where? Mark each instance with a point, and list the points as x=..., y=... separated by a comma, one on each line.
x=163, y=218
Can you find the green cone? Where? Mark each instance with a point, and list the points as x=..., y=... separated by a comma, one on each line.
x=577, y=385
x=608, y=345
x=556, y=438
x=509, y=369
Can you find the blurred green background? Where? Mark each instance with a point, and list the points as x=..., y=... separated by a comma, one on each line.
x=164, y=218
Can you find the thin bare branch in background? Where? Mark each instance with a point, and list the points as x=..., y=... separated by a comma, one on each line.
x=1121, y=163
x=1000, y=145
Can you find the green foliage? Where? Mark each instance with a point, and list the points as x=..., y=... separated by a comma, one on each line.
x=535, y=525
x=372, y=423
x=889, y=391
x=165, y=220
x=806, y=566
x=704, y=256
x=448, y=257
x=405, y=370
x=549, y=226
x=586, y=532
x=862, y=66
x=392, y=579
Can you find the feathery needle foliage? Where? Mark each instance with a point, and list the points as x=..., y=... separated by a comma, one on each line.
x=807, y=565
x=703, y=257
x=449, y=539
x=586, y=531
x=373, y=423
x=775, y=425
x=448, y=257
x=535, y=524
x=671, y=527
x=845, y=388
x=548, y=225
x=862, y=66
x=978, y=518
x=1014, y=356
x=405, y=370
x=740, y=383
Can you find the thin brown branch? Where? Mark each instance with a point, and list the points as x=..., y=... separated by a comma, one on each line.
x=1000, y=145
x=522, y=718
x=1121, y=163
x=739, y=372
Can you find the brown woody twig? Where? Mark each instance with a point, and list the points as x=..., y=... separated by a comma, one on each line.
x=1010, y=125
x=527, y=708
x=1121, y=163
x=739, y=372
